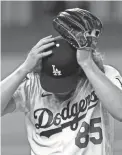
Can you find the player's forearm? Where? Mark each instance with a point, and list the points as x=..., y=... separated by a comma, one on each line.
x=10, y=84
x=109, y=94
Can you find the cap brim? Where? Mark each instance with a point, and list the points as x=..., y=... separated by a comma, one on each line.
x=58, y=85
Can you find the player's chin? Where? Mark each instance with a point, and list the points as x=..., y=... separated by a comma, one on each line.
x=64, y=93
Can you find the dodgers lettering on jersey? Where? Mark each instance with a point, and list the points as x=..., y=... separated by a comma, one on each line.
x=77, y=111
x=78, y=126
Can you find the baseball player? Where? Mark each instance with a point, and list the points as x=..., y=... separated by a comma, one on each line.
x=68, y=95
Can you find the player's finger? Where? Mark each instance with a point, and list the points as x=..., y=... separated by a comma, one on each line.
x=58, y=38
x=44, y=54
x=48, y=37
x=46, y=41
x=51, y=40
x=44, y=47
x=40, y=42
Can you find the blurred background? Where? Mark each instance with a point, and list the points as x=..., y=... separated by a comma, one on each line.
x=23, y=24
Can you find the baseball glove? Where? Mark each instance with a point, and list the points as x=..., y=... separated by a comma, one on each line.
x=79, y=27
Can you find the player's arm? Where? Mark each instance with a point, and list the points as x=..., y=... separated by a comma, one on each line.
x=109, y=94
x=11, y=83
x=8, y=87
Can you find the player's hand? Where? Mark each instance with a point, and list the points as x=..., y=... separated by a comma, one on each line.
x=39, y=51
x=84, y=56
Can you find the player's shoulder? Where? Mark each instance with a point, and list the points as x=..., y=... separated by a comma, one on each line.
x=114, y=75
x=111, y=71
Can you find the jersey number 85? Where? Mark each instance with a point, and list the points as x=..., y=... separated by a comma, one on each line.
x=84, y=136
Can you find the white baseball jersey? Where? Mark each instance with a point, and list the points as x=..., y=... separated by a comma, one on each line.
x=77, y=126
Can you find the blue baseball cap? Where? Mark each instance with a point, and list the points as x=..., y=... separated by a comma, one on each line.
x=59, y=72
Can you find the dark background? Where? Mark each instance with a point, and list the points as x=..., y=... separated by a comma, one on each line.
x=23, y=24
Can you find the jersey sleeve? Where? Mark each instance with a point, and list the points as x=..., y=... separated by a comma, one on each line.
x=21, y=97
x=114, y=75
